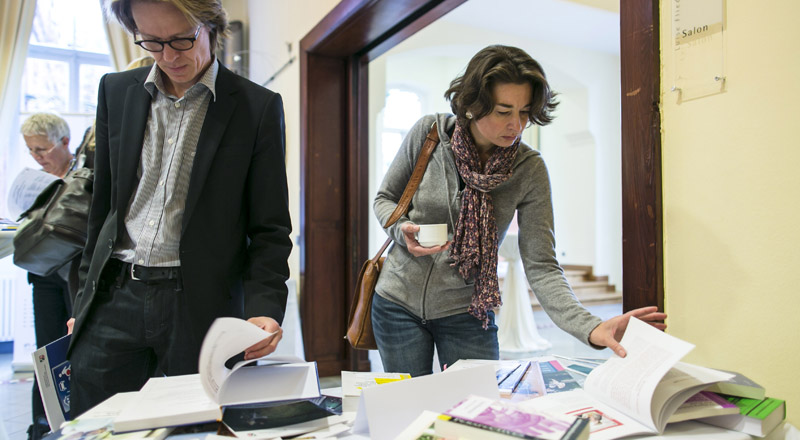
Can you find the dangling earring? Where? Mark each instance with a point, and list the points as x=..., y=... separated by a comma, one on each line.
x=469, y=115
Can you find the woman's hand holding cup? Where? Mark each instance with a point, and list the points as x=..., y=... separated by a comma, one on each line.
x=425, y=239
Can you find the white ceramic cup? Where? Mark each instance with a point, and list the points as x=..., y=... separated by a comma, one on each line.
x=432, y=235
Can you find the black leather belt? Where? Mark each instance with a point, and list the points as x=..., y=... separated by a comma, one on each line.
x=146, y=274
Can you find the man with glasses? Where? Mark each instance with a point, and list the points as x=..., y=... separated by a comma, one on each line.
x=190, y=217
x=47, y=137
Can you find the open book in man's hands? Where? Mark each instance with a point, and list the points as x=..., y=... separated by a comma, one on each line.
x=636, y=394
x=198, y=398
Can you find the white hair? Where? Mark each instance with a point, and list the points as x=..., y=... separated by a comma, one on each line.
x=45, y=124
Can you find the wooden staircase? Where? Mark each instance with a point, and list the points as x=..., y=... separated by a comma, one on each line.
x=590, y=289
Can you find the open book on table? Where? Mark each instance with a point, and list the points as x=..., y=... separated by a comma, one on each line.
x=198, y=398
x=636, y=394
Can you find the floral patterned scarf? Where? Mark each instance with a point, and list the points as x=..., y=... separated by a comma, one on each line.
x=474, y=247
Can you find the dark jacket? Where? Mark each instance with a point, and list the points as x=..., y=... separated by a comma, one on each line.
x=235, y=240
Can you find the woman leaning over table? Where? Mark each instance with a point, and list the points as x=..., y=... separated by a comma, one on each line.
x=478, y=177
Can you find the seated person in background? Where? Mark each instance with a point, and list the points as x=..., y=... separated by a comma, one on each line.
x=47, y=138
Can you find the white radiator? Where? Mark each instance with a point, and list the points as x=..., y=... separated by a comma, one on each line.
x=7, y=288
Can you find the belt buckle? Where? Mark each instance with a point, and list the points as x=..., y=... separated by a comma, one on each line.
x=133, y=277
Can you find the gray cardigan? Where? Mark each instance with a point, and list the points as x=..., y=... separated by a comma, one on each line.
x=428, y=286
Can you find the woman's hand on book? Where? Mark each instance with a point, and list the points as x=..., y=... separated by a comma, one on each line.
x=609, y=333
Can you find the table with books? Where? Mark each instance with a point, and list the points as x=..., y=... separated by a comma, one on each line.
x=7, y=240
x=649, y=394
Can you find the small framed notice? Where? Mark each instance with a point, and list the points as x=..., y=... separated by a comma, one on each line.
x=698, y=47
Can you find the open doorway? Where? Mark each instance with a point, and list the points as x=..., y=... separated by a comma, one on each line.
x=578, y=47
x=335, y=58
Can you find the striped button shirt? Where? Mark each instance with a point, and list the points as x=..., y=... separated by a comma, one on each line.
x=153, y=220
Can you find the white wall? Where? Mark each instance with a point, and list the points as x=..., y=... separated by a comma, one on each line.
x=273, y=24
x=731, y=188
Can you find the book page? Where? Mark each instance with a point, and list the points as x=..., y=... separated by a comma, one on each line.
x=680, y=383
x=23, y=191
x=627, y=384
x=167, y=401
x=226, y=338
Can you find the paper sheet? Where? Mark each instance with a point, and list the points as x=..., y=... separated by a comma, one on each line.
x=226, y=338
x=23, y=191
x=629, y=382
x=384, y=411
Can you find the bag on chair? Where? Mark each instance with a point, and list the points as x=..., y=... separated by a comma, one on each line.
x=359, y=324
x=54, y=230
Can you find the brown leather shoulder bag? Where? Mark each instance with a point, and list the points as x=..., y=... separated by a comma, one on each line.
x=359, y=324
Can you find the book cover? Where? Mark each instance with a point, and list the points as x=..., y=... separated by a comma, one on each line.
x=506, y=369
x=52, y=370
x=100, y=429
x=531, y=384
x=484, y=418
x=283, y=419
x=512, y=380
x=755, y=417
x=556, y=378
x=636, y=394
x=198, y=398
x=739, y=385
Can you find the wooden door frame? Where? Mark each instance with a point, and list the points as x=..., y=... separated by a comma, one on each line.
x=334, y=212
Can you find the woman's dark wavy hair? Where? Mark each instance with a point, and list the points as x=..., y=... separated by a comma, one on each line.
x=500, y=65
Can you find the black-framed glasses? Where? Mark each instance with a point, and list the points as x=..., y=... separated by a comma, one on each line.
x=181, y=44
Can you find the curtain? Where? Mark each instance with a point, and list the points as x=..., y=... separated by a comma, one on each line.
x=120, y=43
x=15, y=30
x=16, y=20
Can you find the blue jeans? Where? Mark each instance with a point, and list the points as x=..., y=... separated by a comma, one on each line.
x=406, y=342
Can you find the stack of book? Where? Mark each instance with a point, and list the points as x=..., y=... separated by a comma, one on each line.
x=276, y=396
x=645, y=391
x=756, y=414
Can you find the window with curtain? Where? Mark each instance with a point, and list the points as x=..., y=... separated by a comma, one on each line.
x=67, y=54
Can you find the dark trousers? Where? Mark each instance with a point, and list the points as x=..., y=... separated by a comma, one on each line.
x=134, y=331
x=52, y=308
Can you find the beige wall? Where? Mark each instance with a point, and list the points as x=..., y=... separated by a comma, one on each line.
x=273, y=24
x=731, y=203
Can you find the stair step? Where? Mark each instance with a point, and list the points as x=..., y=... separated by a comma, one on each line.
x=591, y=285
x=587, y=297
x=588, y=287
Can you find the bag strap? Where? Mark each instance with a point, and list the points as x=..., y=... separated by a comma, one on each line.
x=413, y=183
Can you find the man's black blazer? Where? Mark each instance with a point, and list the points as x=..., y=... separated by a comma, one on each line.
x=235, y=241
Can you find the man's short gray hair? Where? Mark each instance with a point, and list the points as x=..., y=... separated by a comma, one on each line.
x=45, y=124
